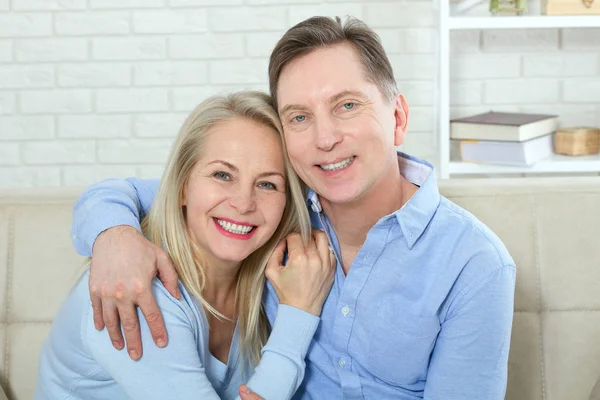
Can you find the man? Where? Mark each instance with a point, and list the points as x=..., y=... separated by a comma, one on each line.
x=422, y=302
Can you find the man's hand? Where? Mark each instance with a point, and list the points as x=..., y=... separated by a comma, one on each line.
x=247, y=394
x=304, y=282
x=123, y=265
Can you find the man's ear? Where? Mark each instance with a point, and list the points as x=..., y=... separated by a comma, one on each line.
x=401, y=111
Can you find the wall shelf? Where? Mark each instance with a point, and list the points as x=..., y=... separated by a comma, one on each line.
x=452, y=21
x=523, y=22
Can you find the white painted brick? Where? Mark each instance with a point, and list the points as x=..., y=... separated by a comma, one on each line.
x=414, y=66
x=138, y=48
x=96, y=23
x=568, y=114
x=11, y=177
x=48, y=5
x=520, y=40
x=417, y=93
x=209, y=46
x=94, y=75
x=465, y=42
x=158, y=125
x=47, y=50
x=6, y=51
x=421, y=119
x=186, y=99
x=4, y=5
x=468, y=111
x=132, y=100
x=83, y=176
x=60, y=152
x=25, y=24
x=419, y=144
x=150, y=171
x=300, y=13
x=260, y=44
x=202, y=3
x=170, y=21
x=8, y=102
x=391, y=40
x=242, y=71
x=135, y=151
x=560, y=65
x=133, y=4
x=485, y=66
x=26, y=128
x=9, y=154
x=579, y=90
x=422, y=40
x=170, y=73
x=465, y=93
x=247, y=19
x=56, y=101
x=26, y=76
x=277, y=2
x=94, y=126
x=399, y=14
x=522, y=91
x=581, y=39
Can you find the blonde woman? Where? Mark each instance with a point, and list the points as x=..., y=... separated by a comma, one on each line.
x=228, y=205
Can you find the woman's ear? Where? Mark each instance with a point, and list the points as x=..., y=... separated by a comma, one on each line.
x=401, y=111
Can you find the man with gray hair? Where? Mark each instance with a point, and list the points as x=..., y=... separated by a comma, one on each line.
x=422, y=303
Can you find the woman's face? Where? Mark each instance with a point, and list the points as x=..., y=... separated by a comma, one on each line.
x=235, y=195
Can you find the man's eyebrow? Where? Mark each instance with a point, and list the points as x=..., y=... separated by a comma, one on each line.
x=236, y=169
x=332, y=99
x=356, y=93
x=289, y=107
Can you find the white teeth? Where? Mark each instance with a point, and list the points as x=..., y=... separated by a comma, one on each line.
x=234, y=228
x=337, y=165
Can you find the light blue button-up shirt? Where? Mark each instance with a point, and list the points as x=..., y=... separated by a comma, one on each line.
x=424, y=312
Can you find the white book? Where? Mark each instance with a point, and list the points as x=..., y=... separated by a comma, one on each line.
x=504, y=153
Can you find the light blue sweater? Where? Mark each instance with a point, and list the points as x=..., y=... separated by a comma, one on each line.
x=79, y=362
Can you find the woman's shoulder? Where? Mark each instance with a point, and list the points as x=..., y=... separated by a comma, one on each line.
x=173, y=308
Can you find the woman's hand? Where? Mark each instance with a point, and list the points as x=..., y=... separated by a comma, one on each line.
x=304, y=282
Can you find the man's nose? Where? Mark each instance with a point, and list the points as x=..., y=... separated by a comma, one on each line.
x=327, y=134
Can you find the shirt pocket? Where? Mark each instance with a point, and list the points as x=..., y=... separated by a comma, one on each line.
x=401, y=345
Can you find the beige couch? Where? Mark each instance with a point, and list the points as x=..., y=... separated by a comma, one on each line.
x=550, y=225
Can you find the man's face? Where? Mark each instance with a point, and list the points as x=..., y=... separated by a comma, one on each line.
x=340, y=133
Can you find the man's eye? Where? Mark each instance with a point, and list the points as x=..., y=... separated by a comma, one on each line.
x=299, y=118
x=267, y=185
x=349, y=106
x=222, y=175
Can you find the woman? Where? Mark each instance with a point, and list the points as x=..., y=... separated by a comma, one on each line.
x=227, y=201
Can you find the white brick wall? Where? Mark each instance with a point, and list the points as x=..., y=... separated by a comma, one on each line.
x=91, y=89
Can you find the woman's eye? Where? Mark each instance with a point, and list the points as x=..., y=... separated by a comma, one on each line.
x=299, y=118
x=267, y=185
x=222, y=175
x=349, y=106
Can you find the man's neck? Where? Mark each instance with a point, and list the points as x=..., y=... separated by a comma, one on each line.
x=352, y=221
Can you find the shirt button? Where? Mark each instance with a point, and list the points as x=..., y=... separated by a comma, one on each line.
x=366, y=257
x=345, y=310
x=342, y=363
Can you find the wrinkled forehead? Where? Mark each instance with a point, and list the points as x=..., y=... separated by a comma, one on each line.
x=321, y=74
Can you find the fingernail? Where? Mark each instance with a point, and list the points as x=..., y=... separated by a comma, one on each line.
x=245, y=390
x=178, y=294
x=133, y=354
x=160, y=342
x=118, y=345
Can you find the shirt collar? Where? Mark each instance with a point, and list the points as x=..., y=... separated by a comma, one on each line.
x=416, y=214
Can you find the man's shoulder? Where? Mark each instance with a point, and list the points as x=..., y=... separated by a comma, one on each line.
x=475, y=236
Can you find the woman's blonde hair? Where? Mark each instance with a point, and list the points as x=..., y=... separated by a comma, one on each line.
x=165, y=225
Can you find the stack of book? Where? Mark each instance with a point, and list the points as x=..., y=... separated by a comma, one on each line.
x=503, y=138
